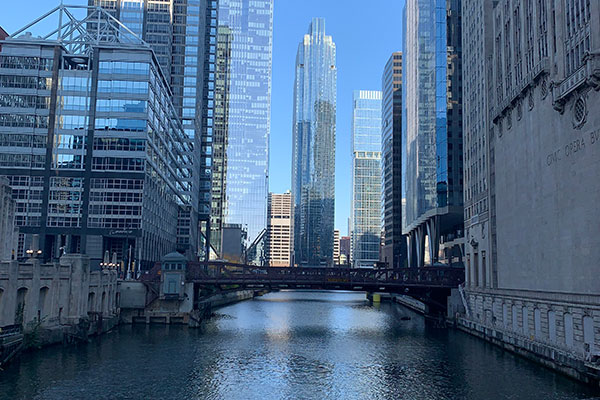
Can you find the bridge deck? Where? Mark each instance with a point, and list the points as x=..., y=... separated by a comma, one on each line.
x=341, y=278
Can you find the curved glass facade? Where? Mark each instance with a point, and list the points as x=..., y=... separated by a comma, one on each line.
x=313, y=158
x=250, y=26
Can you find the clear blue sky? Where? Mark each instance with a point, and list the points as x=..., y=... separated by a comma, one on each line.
x=365, y=33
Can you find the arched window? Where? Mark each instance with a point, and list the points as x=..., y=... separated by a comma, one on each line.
x=588, y=334
x=569, y=329
x=515, y=318
x=552, y=326
x=525, y=321
x=537, y=323
x=103, y=307
x=91, y=302
x=20, y=306
x=43, y=303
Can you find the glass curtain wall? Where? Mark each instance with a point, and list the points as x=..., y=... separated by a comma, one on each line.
x=366, y=178
x=250, y=25
x=313, y=158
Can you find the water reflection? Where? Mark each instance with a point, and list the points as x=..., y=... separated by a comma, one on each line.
x=287, y=345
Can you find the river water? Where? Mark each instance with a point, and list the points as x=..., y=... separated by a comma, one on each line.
x=286, y=345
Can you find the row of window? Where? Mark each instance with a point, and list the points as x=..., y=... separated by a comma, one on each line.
x=22, y=140
x=119, y=144
x=25, y=82
x=126, y=68
x=118, y=164
x=23, y=121
x=22, y=160
x=24, y=101
x=22, y=62
x=115, y=209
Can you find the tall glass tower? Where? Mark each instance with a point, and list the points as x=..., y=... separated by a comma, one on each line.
x=432, y=167
x=249, y=36
x=366, y=178
x=313, y=158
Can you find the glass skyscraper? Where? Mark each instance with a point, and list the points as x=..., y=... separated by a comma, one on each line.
x=313, y=158
x=91, y=145
x=250, y=38
x=432, y=171
x=182, y=34
x=366, y=178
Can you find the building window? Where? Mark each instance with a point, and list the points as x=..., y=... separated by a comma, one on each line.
x=569, y=330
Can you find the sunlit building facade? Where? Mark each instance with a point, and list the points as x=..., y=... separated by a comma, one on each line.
x=250, y=30
x=365, y=220
x=92, y=147
x=279, y=232
x=432, y=171
x=182, y=33
x=313, y=156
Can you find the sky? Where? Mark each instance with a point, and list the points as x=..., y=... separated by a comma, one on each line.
x=366, y=33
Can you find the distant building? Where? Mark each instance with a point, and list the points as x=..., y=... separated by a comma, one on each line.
x=313, y=156
x=345, y=250
x=233, y=243
x=366, y=178
x=7, y=222
x=532, y=268
x=100, y=155
x=279, y=231
x=432, y=167
x=3, y=35
x=394, y=247
x=336, y=246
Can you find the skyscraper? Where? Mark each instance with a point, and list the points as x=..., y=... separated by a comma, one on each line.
x=101, y=152
x=249, y=30
x=366, y=178
x=279, y=232
x=394, y=249
x=220, y=136
x=313, y=157
x=432, y=172
x=182, y=34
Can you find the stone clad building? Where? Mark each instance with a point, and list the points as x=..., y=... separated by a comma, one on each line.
x=539, y=291
x=58, y=296
x=279, y=229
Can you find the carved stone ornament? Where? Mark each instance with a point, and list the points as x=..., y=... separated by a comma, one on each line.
x=580, y=112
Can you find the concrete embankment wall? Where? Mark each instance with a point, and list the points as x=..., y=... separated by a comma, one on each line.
x=172, y=311
x=557, y=359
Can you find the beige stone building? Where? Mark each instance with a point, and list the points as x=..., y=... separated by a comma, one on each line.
x=336, y=247
x=279, y=230
x=533, y=132
x=57, y=297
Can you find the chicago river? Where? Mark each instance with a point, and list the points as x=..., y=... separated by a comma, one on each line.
x=286, y=345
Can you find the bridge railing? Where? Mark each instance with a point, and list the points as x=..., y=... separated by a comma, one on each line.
x=227, y=273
